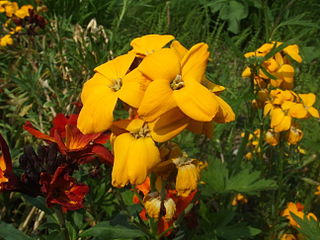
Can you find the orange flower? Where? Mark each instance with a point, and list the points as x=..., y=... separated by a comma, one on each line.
x=80, y=147
x=296, y=209
x=7, y=178
x=63, y=190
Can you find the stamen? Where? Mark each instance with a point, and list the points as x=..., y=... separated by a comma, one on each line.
x=117, y=84
x=144, y=131
x=177, y=83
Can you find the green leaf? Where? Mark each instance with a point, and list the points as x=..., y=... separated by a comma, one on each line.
x=38, y=202
x=310, y=228
x=105, y=230
x=237, y=231
x=8, y=232
x=219, y=179
x=249, y=182
x=216, y=175
x=269, y=75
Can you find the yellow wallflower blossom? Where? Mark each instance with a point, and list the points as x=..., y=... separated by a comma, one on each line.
x=177, y=84
x=288, y=237
x=294, y=135
x=188, y=175
x=135, y=154
x=6, y=40
x=100, y=94
x=305, y=109
x=239, y=198
x=272, y=137
x=297, y=209
x=145, y=45
x=11, y=8
x=278, y=65
x=152, y=204
x=23, y=11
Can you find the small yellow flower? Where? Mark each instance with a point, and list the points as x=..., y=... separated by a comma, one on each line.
x=152, y=204
x=11, y=8
x=23, y=11
x=294, y=135
x=272, y=137
x=305, y=109
x=188, y=174
x=296, y=209
x=288, y=237
x=318, y=191
x=6, y=40
x=239, y=198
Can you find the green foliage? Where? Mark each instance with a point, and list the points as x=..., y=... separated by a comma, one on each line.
x=245, y=181
x=8, y=232
x=103, y=229
x=308, y=226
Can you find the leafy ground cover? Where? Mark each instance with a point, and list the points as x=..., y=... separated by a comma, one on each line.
x=248, y=189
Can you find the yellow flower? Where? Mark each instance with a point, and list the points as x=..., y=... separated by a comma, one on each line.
x=278, y=65
x=6, y=40
x=152, y=204
x=305, y=108
x=135, y=154
x=296, y=209
x=188, y=174
x=239, y=198
x=23, y=11
x=177, y=84
x=272, y=137
x=288, y=237
x=11, y=8
x=318, y=191
x=100, y=94
x=145, y=45
x=294, y=135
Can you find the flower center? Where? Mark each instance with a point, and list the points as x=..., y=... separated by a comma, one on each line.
x=144, y=131
x=177, y=83
x=117, y=84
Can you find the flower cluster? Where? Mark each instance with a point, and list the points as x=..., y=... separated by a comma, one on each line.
x=25, y=19
x=273, y=78
x=296, y=209
x=163, y=87
x=48, y=172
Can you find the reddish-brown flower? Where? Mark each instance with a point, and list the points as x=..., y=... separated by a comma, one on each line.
x=80, y=147
x=63, y=190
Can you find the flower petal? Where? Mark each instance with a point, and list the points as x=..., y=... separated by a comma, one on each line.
x=150, y=43
x=96, y=114
x=308, y=99
x=181, y=51
x=168, y=125
x=157, y=100
x=194, y=63
x=163, y=64
x=142, y=156
x=293, y=51
x=122, y=145
x=133, y=88
x=117, y=67
x=196, y=101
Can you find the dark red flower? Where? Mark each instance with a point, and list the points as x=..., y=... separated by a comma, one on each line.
x=80, y=147
x=63, y=190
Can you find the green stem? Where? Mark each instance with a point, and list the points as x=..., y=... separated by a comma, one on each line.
x=62, y=222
